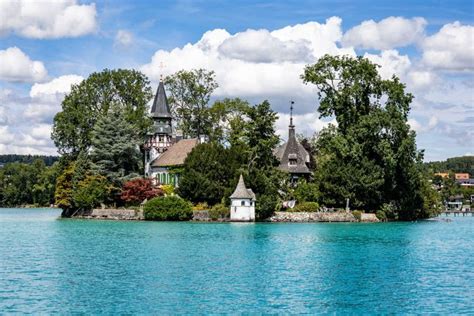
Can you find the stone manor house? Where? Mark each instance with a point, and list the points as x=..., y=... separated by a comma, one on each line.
x=165, y=151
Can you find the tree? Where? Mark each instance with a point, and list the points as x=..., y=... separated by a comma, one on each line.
x=64, y=190
x=92, y=98
x=138, y=190
x=228, y=118
x=210, y=173
x=371, y=156
x=115, y=145
x=263, y=176
x=91, y=192
x=190, y=92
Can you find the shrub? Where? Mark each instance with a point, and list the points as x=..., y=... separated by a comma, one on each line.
x=201, y=207
x=219, y=211
x=305, y=207
x=168, y=208
x=306, y=192
x=168, y=189
x=357, y=215
x=381, y=216
x=136, y=191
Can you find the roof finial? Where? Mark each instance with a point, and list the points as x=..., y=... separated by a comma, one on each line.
x=291, y=112
x=161, y=70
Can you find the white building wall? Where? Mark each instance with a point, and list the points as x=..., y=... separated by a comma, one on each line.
x=239, y=212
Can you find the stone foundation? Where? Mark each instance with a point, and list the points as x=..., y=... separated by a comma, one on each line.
x=113, y=214
x=305, y=217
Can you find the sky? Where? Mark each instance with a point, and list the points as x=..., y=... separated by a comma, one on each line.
x=257, y=49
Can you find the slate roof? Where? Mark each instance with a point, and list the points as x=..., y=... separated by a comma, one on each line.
x=241, y=192
x=160, y=107
x=176, y=154
x=292, y=149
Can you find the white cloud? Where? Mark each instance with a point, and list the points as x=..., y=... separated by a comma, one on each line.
x=6, y=137
x=248, y=70
x=306, y=124
x=391, y=63
x=452, y=48
x=45, y=98
x=123, y=38
x=42, y=131
x=17, y=66
x=52, y=19
x=388, y=33
x=260, y=46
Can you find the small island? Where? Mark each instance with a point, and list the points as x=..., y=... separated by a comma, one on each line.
x=182, y=159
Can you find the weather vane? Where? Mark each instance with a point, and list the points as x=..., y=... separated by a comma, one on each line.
x=162, y=66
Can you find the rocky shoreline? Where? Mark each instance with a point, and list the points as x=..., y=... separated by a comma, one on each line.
x=203, y=216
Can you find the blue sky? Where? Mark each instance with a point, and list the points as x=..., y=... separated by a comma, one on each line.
x=257, y=48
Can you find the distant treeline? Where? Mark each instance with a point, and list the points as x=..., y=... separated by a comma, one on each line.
x=48, y=160
x=456, y=164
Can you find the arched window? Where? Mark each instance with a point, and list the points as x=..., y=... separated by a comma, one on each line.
x=242, y=203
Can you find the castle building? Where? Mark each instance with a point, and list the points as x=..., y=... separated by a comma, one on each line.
x=242, y=203
x=164, y=152
x=293, y=156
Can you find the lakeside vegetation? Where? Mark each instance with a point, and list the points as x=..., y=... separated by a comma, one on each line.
x=370, y=157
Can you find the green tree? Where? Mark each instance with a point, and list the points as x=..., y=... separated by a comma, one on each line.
x=115, y=145
x=371, y=156
x=64, y=190
x=228, y=121
x=263, y=176
x=190, y=92
x=91, y=192
x=210, y=173
x=92, y=98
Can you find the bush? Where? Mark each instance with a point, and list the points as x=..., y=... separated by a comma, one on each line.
x=168, y=208
x=381, y=216
x=357, y=215
x=201, y=207
x=168, y=189
x=136, y=191
x=305, y=207
x=219, y=211
x=266, y=206
x=306, y=192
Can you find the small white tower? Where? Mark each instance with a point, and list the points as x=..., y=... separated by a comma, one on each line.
x=242, y=203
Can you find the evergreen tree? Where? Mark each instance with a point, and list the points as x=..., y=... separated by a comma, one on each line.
x=115, y=150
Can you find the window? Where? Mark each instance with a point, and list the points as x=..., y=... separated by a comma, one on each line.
x=292, y=162
x=242, y=203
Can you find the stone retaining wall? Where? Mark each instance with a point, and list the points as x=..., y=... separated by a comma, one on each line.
x=113, y=214
x=301, y=217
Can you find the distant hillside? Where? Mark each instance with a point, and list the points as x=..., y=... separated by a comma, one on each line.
x=48, y=160
x=455, y=164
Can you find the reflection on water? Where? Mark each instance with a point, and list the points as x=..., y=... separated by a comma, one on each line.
x=49, y=265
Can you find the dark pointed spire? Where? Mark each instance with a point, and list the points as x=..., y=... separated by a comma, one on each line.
x=160, y=108
x=291, y=113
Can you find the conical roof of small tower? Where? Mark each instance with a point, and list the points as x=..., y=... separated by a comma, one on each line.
x=160, y=108
x=241, y=192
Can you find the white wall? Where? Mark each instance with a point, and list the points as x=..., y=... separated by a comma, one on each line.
x=242, y=213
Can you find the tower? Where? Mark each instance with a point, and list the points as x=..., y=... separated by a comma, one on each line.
x=242, y=205
x=161, y=137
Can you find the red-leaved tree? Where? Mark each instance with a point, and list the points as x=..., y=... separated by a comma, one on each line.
x=137, y=190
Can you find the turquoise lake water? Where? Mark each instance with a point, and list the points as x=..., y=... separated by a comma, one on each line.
x=51, y=265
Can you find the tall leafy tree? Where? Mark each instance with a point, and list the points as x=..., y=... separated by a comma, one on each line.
x=92, y=98
x=371, y=156
x=229, y=117
x=190, y=92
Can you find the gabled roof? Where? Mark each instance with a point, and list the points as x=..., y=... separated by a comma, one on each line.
x=160, y=108
x=176, y=154
x=241, y=192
